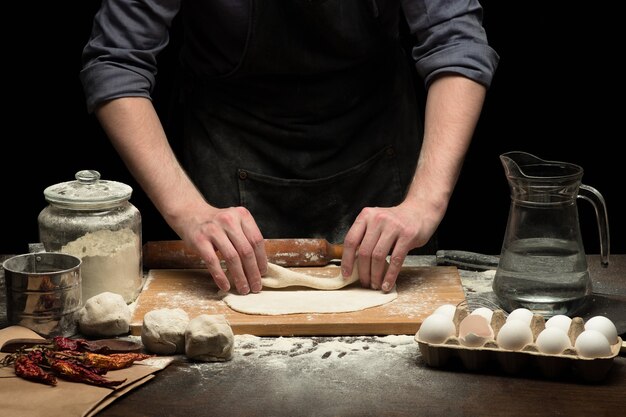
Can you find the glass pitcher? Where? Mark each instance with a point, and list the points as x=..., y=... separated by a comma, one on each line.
x=542, y=264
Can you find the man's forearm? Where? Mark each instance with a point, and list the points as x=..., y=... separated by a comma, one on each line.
x=135, y=131
x=453, y=107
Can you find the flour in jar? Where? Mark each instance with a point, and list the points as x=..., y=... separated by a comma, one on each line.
x=111, y=262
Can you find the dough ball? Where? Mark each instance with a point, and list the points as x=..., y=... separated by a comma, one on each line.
x=209, y=338
x=105, y=314
x=163, y=331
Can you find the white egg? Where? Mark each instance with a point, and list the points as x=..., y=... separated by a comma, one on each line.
x=435, y=329
x=522, y=314
x=474, y=330
x=605, y=326
x=514, y=335
x=447, y=310
x=592, y=344
x=560, y=320
x=553, y=340
x=483, y=311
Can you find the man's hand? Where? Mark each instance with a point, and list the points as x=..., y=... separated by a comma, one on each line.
x=234, y=233
x=378, y=232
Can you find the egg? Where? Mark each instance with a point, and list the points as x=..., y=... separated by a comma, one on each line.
x=522, y=314
x=483, y=311
x=474, y=330
x=605, y=326
x=553, y=340
x=514, y=335
x=435, y=329
x=592, y=344
x=560, y=320
x=447, y=310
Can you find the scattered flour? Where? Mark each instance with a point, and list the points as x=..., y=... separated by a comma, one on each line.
x=480, y=281
x=317, y=352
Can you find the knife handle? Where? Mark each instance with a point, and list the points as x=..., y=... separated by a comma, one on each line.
x=467, y=260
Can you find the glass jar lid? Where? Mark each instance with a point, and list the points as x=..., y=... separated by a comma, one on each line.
x=88, y=192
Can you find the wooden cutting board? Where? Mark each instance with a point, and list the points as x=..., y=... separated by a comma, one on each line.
x=420, y=291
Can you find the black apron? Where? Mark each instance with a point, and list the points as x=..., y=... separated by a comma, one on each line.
x=318, y=121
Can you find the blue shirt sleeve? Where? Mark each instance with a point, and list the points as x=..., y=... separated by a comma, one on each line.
x=119, y=60
x=450, y=38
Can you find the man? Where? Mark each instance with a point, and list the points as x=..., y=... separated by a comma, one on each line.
x=300, y=120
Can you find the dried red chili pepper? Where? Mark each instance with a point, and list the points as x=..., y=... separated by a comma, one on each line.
x=74, y=357
x=79, y=345
x=27, y=368
x=77, y=373
x=65, y=343
x=113, y=361
x=36, y=355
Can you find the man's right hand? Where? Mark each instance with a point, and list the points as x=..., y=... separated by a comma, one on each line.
x=234, y=233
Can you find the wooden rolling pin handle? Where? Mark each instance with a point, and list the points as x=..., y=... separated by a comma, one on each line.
x=174, y=254
x=302, y=252
x=170, y=254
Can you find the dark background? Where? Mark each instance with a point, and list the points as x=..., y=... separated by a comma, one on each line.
x=557, y=94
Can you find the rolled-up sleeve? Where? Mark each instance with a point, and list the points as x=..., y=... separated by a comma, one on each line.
x=120, y=58
x=450, y=38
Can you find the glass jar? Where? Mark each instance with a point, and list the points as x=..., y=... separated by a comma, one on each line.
x=93, y=219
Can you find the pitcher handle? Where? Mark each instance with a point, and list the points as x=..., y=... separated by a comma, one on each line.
x=595, y=198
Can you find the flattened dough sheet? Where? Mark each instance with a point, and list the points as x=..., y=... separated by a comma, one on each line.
x=275, y=302
x=283, y=293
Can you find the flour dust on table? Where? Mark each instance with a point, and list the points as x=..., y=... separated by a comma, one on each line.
x=275, y=354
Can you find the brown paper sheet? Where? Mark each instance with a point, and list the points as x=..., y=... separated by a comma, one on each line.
x=22, y=398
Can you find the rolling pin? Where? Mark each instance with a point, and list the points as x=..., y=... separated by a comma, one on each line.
x=174, y=254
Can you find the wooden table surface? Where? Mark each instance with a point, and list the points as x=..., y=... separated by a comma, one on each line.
x=374, y=376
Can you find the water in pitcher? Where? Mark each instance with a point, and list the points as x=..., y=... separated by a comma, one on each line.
x=545, y=275
x=542, y=265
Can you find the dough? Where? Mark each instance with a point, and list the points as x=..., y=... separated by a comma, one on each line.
x=275, y=302
x=163, y=330
x=105, y=314
x=329, y=294
x=209, y=338
x=280, y=277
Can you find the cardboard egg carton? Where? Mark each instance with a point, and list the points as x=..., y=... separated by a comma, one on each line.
x=526, y=360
